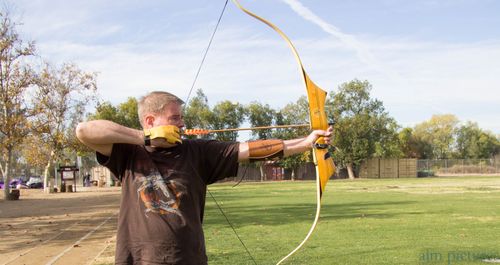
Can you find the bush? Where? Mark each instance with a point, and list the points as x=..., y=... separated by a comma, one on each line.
x=425, y=173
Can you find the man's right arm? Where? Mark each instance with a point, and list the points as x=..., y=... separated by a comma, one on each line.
x=100, y=135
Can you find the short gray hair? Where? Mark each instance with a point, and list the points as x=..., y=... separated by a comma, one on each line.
x=154, y=103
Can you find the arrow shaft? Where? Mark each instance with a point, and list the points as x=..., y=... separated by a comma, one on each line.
x=194, y=131
x=261, y=128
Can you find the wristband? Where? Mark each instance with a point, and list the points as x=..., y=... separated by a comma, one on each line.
x=147, y=140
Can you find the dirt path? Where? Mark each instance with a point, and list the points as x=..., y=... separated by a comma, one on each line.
x=62, y=228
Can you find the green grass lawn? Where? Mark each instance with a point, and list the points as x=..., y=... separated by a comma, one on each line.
x=387, y=221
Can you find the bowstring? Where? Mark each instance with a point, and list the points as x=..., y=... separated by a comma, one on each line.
x=186, y=103
x=242, y=177
x=205, y=54
x=232, y=227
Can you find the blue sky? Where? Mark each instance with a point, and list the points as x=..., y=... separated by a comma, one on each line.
x=422, y=57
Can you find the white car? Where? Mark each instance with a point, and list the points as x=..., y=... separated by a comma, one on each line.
x=35, y=182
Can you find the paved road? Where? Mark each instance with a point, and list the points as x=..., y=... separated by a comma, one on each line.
x=71, y=228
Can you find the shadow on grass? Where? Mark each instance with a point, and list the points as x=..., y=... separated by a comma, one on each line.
x=275, y=214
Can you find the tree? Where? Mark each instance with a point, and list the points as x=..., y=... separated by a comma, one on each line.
x=413, y=147
x=197, y=113
x=439, y=133
x=128, y=114
x=293, y=113
x=363, y=128
x=260, y=115
x=125, y=113
x=34, y=152
x=61, y=97
x=15, y=78
x=387, y=145
x=105, y=111
x=474, y=143
x=226, y=115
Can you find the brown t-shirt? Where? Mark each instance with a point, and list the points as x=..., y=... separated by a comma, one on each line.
x=163, y=199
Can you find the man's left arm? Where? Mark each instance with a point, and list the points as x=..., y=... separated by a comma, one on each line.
x=289, y=147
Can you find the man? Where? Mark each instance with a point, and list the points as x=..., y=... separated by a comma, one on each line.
x=164, y=178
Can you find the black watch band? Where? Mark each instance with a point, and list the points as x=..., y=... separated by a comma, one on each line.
x=147, y=140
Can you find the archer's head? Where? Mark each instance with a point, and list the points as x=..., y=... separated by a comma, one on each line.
x=160, y=108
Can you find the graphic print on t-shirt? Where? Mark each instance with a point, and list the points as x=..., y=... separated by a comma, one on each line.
x=159, y=196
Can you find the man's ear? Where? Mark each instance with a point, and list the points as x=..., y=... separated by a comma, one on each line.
x=149, y=121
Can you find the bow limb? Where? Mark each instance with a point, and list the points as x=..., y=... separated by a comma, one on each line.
x=325, y=167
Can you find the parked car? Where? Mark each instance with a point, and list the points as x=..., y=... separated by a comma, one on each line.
x=35, y=182
x=24, y=178
x=1, y=184
x=14, y=183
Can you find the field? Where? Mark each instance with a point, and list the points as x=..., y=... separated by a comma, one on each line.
x=402, y=221
x=453, y=220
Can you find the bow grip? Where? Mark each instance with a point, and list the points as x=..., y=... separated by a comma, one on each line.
x=320, y=143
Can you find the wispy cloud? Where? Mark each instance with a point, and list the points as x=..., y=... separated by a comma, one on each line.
x=362, y=50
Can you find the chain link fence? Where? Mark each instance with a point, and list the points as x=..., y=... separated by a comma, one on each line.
x=458, y=166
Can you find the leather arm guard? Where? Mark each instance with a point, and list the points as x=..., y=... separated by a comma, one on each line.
x=261, y=150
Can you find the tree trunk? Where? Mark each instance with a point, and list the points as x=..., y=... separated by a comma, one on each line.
x=350, y=171
x=293, y=174
x=6, y=175
x=46, y=187
x=262, y=173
